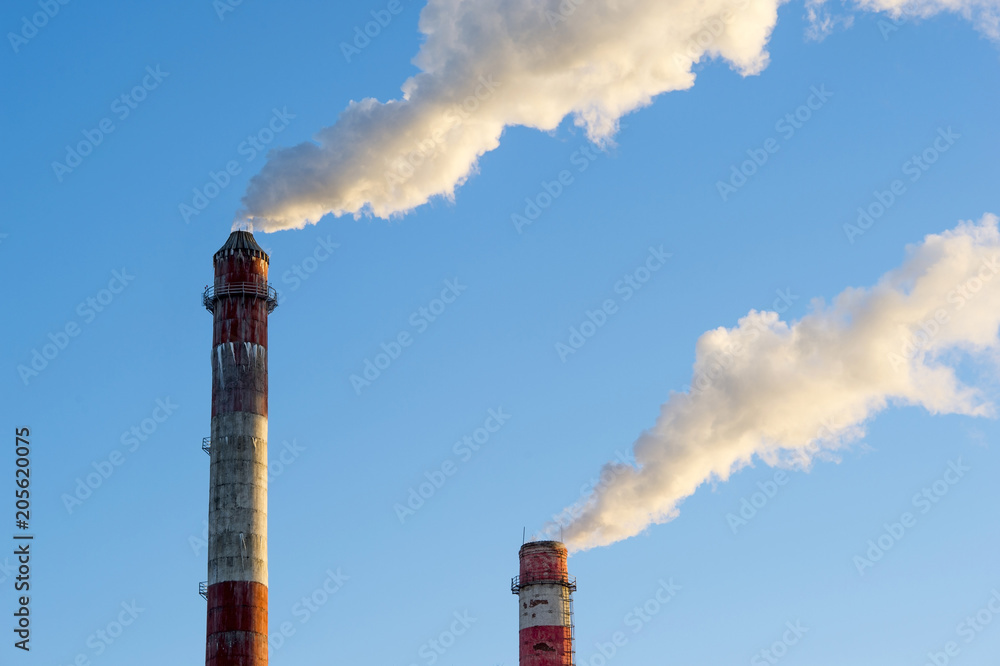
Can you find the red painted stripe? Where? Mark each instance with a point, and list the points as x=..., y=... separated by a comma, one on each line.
x=546, y=646
x=237, y=624
x=544, y=560
x=240, y=318
x=236, y=649
x=239, y=267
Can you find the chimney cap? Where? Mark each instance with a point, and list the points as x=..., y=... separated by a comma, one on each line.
x=241, y=240
x=557, y=546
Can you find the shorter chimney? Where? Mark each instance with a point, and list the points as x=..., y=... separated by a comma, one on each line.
x=544, y=591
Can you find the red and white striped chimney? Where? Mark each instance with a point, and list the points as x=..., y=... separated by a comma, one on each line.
x=544, y=591
x=240, y=301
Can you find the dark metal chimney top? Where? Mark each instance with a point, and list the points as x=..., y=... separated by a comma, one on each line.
x=242, y=241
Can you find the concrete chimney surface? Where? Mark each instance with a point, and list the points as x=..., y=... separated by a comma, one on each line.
x=240, y=301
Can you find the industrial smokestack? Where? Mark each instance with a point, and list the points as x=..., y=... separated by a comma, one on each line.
x=544, y=591
x=240, y=301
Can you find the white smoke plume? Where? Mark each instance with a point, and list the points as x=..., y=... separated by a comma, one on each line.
x=491, y=64
x=984, y=14
x=789, y=393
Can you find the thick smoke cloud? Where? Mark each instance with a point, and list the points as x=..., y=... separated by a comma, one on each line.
x=491, y=64
x=789, y=393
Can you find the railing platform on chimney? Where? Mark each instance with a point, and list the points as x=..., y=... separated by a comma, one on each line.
x=566, y=581
x=255, y=289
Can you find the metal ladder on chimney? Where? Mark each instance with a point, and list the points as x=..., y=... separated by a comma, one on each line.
x=567, y=611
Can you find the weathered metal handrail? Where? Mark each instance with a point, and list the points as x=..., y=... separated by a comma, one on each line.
x=203, y=589
x=256, y=289
x=206, y=445
x=565, y=581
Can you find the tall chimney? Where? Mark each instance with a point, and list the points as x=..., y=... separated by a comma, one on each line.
x=544, y=592
x=240, y=300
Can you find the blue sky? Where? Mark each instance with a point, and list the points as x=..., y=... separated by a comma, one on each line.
x=353, y=455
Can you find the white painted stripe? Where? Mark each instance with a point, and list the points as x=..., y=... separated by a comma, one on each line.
x=543, y=605
x=237, y=515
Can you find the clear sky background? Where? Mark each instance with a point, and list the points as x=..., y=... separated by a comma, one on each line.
x=331, y=507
